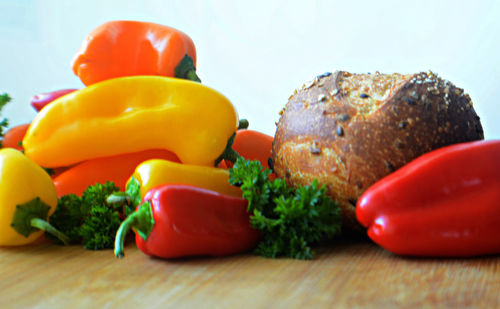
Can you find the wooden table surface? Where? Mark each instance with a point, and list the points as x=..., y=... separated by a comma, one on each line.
x=347, y=274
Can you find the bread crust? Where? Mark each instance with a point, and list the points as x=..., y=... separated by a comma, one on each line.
x=350, y=130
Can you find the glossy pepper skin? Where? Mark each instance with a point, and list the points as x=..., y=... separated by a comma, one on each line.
x=39, y=101
x=128, y=48
x=181, y=220
x=22, y=181
x=253, y=145
x=14, y=136
x=131, y=114
x=445, y=203
x=115, y=168
x=153, y=173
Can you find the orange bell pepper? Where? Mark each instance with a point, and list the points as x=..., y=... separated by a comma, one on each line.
x=117, y=169
x=14, y=137
x=253, y=145
x=127, y=48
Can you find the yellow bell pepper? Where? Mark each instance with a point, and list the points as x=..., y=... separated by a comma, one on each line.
x=27, y=197
x=131, y=114
x=152, y=173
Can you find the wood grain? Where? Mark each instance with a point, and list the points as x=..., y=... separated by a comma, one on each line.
x=348, y=274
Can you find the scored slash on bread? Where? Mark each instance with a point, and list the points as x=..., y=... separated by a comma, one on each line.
x=350, y=130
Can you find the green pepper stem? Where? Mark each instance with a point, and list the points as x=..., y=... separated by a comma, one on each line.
x=243, y=124
x=191, y=75
x=121, y=233
x=186, y=69
x=141, y=220
x=45, y=226
x=229, y=153
x=118, y=199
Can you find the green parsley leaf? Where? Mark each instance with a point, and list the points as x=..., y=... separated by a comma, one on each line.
x=99, y=228
x=68, y=218
x=88, y=219
x=4, y=123
x=291, y=220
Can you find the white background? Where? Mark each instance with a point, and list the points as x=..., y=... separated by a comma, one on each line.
x=257, y=52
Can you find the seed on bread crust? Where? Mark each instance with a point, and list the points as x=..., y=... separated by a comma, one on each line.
x=366, y=126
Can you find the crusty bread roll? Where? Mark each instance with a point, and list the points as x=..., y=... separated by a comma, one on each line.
x=350, y=130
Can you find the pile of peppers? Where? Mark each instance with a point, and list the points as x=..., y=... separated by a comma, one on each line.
x=145, y=122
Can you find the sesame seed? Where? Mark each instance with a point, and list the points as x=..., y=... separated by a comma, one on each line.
x=322, y=98
x=410, y=101
x=389, y=166
x=326, y=74
x=394, y=110
x=308, y=85
x=343, y=117
x=403, y=124
x=398, y=144
x=315, y=148
x=270, y=163
x=359, y=184
x=340, y=131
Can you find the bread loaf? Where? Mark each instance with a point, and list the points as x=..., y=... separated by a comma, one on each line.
x=350, y=130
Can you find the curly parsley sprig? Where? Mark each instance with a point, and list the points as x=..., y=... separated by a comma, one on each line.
x=88, y=219
x=291, y=220
x=4, y=123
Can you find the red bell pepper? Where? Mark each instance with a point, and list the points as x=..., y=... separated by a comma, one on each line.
x=40, y=100
x=183, y=220
x=445, y=203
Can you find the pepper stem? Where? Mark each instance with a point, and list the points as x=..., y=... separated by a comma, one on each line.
x=120, y=200
x=141, y=220
x=186, y=69
x=29, y=217
x=44, y=225
x=229, y=153
x=191, y=75
x=243, y=124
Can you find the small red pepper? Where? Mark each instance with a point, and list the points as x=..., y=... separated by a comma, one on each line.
x=445, y=203
x=39, y=101
x=183, y=220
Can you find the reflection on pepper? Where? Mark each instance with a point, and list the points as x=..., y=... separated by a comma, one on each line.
x=444, y=203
